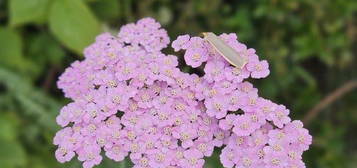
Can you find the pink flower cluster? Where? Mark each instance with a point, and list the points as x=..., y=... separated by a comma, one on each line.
x=130, y=99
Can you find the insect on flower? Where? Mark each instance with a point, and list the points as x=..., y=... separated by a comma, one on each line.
x=143, y=106
x=225, y=50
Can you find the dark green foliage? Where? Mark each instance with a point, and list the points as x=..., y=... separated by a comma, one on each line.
x=311, y=47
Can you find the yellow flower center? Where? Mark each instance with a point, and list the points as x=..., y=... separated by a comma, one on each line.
x=196, y=57
x=202, y=147
x=275, y=161
x=217, y=106
x=247, y=162
x=185, y=136
x=116, y=99
x=159, y=157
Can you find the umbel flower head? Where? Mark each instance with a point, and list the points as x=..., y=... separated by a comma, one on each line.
x=131, y=100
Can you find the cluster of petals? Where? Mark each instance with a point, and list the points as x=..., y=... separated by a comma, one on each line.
x=131, y=100
x=261, y=134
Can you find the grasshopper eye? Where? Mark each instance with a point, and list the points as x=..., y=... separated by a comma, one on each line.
x=228, y=53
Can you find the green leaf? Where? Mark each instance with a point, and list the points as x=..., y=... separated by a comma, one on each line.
x=213, y=161
x=164, y=15
x=10, y=47
x=11, y=50
x=306, y=76
x=11, y=154
x=73, y=24
x=106, y=9
x=7, y=127
x=31, y=102
x=52, y=52
x=22, y=12
x=90, y=1
x=36, y=162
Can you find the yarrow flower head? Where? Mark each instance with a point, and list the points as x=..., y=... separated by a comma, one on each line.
x=131, y=100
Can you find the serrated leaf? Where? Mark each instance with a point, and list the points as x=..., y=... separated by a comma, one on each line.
x=22, y=12
x=73, y=24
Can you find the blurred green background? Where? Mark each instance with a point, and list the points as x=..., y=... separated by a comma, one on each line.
x=310, y=44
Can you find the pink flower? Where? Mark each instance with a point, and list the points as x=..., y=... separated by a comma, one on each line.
x=64, y=155
x=214, y=71
x=117, y=152
x=248, y=102
x=206, y=148
x=247, y=87
x=276, y=160
x=297, y=163
x=126, y=71
x=280, y=116
x=227, y=123
x=216, y=107
x=129, y=98
x=224, y=87
x=90, y=156
x=228, y=157
x=236, y=75
x=243, y=125
x=258, y=69
x=238, y=142
x=93, y=114
x=186, y=134
x=105, y=78
x=181, y=42
x=193, y=158
x=160, y=159
x=233, y=100
x=195, y=57
x=65, y=116
x=266, y=107
x=141, y=162
x=278, y=136
x=249, y=158
x=256, y=119
x=167, y=143
x=62, y=135
x=258, y=139
x=304, y=139
x=294, y=153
